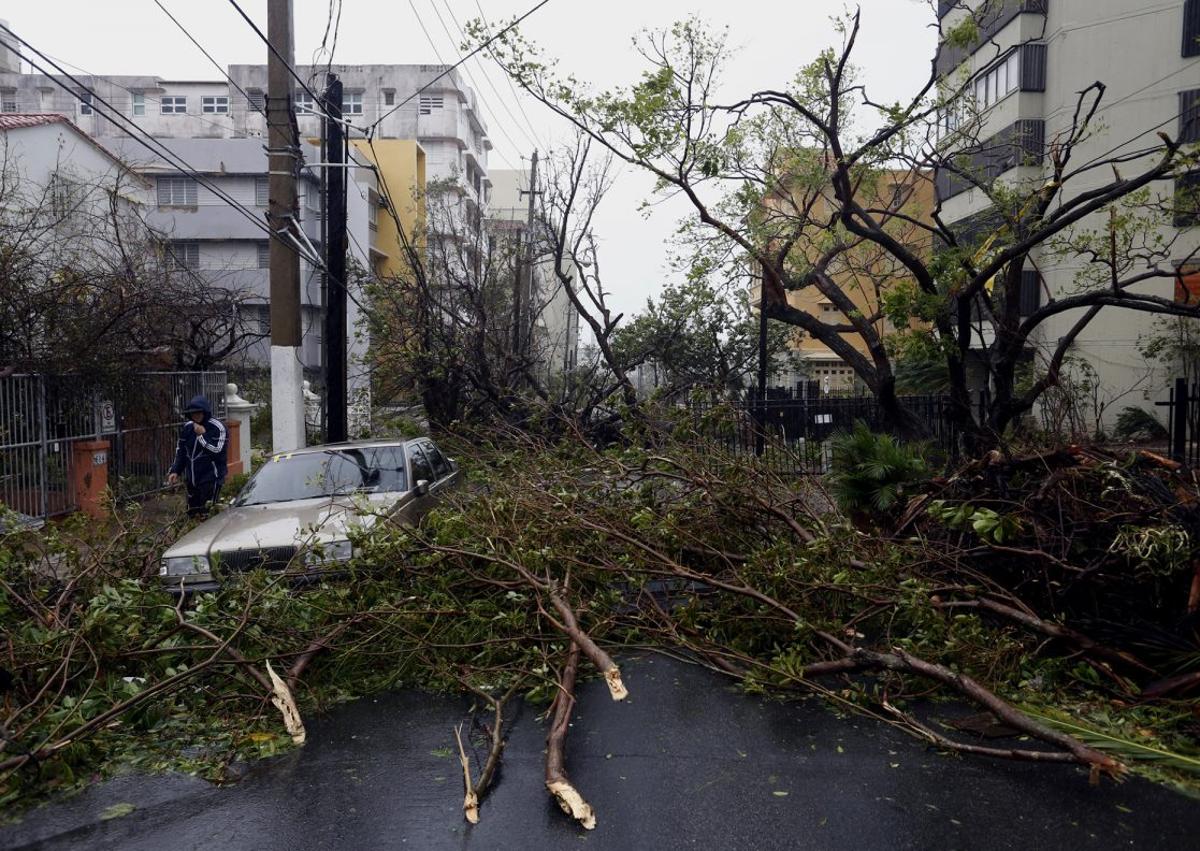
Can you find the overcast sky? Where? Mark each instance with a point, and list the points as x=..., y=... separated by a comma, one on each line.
x=592, y=40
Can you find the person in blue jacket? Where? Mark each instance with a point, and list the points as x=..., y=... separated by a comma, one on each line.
x=201, y=456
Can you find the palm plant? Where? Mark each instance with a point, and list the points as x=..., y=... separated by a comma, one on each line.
x=871, y=471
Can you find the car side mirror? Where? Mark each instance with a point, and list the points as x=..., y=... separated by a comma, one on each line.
x=422, y=488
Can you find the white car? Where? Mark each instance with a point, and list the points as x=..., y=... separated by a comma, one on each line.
x=297, y=512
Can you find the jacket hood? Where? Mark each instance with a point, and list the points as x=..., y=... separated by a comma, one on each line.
x=199, y=403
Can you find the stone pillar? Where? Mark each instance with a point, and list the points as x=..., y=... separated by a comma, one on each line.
x=89, y=476
x=239, y=411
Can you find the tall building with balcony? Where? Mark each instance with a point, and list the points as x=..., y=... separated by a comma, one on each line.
x=1024, y=77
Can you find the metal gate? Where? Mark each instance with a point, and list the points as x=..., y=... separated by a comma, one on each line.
x=43, y=416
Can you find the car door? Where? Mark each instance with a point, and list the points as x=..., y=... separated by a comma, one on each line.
x=420, y=470
x=445, y=474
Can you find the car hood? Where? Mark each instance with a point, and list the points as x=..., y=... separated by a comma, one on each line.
x=282, y=524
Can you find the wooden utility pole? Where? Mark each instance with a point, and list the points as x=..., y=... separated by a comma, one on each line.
x=523, y=279
x=283, y=157
x=336, y=429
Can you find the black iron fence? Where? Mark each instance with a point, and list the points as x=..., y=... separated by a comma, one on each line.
x=1184, y=422
x=791, y=431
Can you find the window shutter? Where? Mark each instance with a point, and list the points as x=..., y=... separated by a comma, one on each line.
x=264, y=254
x=164, y=192
x=257, y=99
x=1191, y=28
x=1031, y=292
x=262, y=191
x=189, y=192
x=1187, y=200
x=1189, y=116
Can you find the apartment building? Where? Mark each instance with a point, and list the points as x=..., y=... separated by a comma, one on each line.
x=227, y=250
x=555, y=321
x=1032, y=60
x=427, y=103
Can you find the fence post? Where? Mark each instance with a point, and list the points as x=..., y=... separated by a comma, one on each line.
x=1179, y=406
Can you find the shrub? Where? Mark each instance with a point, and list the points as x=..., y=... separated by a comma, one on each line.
x=1138, y=424
x=871, y=471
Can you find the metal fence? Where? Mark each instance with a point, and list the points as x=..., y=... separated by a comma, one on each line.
x=1184, y=422
x=791, y=431
x=42, y=417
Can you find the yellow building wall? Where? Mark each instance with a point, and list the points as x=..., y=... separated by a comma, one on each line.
x=401, y=175
x=864, y=286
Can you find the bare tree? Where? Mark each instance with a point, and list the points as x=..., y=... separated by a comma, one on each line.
x=88, y=287
x=791, y=180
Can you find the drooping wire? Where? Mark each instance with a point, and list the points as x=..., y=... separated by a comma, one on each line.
x=375, y=124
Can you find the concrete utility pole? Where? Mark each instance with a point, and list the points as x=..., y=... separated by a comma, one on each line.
x=336, y=178
x=523, y=283
x=287, y=372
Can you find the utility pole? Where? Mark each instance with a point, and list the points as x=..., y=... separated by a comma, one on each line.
x=283, y=152
x=336, y=429
x=523, y=279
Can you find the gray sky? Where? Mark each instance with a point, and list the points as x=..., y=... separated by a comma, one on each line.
x=592, y=40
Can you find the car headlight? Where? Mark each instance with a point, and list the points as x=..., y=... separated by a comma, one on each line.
x=184, y=566
x=330, y=551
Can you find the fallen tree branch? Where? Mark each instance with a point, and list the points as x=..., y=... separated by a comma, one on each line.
x=557, y=781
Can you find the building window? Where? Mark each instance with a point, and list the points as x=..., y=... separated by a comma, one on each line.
x=62, y=196
x=1187, y=200
x=139, y=103
x=215, y=104
x=173, y=105
x=389, y=97
x=176, y=192
x=8, y=101
x=998, y=81
x=262, y=191
x=264, y=254
x=1031, y=292
x=183, y=254
x=1191, y=28
x=352, y=104
x=85, y=103
x=1189, y=116
x=257, y=100
x=304, y=103
x=429, y=103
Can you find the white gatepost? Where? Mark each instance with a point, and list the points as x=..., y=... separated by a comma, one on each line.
x=240, y=410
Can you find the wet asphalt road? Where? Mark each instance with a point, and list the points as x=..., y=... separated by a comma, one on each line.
x=686, y=763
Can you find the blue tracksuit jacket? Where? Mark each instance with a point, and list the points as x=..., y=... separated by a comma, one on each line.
x=202, y=457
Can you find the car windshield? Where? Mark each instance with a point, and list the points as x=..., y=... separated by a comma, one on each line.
x=307, y=475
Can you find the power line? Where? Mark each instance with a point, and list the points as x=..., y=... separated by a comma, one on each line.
x=507, y=78
x=124, y=123
x=316, y=99
x=216, y=64
x=446, y=71
x=532, y=140
x=438, y=56
x=111, y=81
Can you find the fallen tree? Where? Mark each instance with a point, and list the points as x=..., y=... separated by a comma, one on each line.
x=558, y=555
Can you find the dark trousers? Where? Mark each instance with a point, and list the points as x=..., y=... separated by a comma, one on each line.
x=200, y=496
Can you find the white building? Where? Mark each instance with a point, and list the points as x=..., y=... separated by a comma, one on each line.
x=554, y=317
x=230, y=251
x=444, y=118
x=1034, y=58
